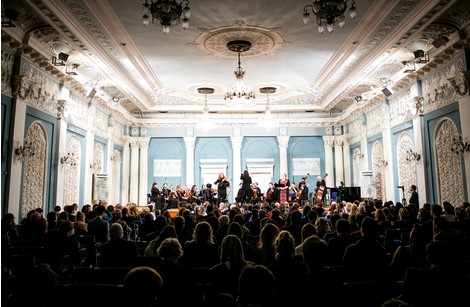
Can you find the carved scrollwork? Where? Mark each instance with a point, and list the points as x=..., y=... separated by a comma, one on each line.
x=461, y=82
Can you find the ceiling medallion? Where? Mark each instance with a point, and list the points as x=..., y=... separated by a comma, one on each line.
x=214, y=41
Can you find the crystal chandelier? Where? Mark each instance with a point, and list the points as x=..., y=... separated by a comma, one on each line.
x=167, y=12
x=329, y=13
x=239, y=93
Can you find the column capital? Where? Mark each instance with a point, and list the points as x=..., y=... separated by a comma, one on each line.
x=329, y=140
x=283, y=140
x=236, y=141
x=190, y=141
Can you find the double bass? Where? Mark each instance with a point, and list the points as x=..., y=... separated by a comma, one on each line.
x=319, y=192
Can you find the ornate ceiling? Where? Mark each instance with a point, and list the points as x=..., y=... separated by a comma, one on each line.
x=148, y=78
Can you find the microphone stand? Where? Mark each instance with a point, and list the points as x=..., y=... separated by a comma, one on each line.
x=403, y=200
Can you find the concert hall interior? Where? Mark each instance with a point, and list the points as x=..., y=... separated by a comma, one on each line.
x=156, y=106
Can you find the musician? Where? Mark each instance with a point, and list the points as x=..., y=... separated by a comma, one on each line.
x=222, y=183
x=194, y=195
x=240, y=193
x=209, y=194
x=271, y=193
x=172, y=198
x=292, y=192
x=181, y=193
x=414, y=198
x=164, y=195
x=321, y=183
x=246, y=192
x=302, y=194
x=154, y=192
x=256, y=195
x=283, y=186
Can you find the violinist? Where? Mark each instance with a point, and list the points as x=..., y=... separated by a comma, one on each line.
x=271, y=193
x=246, y=191
x=194, y=195
x=256, y=195
x=222, y=183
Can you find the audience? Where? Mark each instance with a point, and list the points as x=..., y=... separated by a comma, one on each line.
x=242, y=257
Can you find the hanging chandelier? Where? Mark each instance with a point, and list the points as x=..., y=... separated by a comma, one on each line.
x=239, y=94
x=329, y=13
x=167, y=12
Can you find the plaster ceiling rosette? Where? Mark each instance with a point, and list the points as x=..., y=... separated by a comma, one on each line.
x=264, y=41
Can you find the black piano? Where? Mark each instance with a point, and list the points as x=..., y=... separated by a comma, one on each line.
x=352, y=193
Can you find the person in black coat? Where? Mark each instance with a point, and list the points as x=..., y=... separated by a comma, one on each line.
x=246, y=191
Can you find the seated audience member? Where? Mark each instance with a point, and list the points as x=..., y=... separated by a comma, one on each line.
x=142, y=285
x=201, y=251
x=117, y=251
x=446, y=277
x=174, y=275
x=341, y=241
x=290, y=274
x=367, y=256
x=223, y=277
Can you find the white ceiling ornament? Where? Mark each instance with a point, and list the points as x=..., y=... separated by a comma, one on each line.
x=263, y=40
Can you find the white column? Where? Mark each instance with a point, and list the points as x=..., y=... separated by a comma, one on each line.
x=16, y=170
x=112, y=191
x=190, y=143
x=364, y=151
x=388, y=175
x=339, y=170
x=87, y=190
x=328, y=142
x=283, y=144
x=62, y=151
x=134, y=171
x=347, y=163
x=125, y=173
x=143, y=168
x=237, y=164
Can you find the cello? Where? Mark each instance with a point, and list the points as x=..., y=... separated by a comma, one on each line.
x=319, y=192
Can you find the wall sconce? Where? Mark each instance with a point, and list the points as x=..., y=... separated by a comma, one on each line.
x=72, y=70
x=62, y=57
x=412, y=155
x=115, y=157
x=458, y=146
x=95, y=165
x=358, y=156
x=70, y=158
x=382, y=162
x=25, y=151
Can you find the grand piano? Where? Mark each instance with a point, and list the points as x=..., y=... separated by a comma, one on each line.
x=349, y=194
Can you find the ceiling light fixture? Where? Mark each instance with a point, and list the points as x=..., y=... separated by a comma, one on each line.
x=409, y=66
x=329, y=13
x=268, y=117
x=62, y=57
x=72, y=70
x=205, y=122
x=167, y=12
x=239, y=93
x=421, y=57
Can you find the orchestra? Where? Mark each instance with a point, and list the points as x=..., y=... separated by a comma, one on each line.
x=283, y=192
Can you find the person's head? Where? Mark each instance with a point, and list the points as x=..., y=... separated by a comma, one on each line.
x=315, y=252
x=231, y=250
x=412, y=188
x=256, y=286
x=203, y=233
x=116, y=231
x=145, y=281
x=284, y=244
x=170, y=249
x=268, y=234
x=369, y=228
